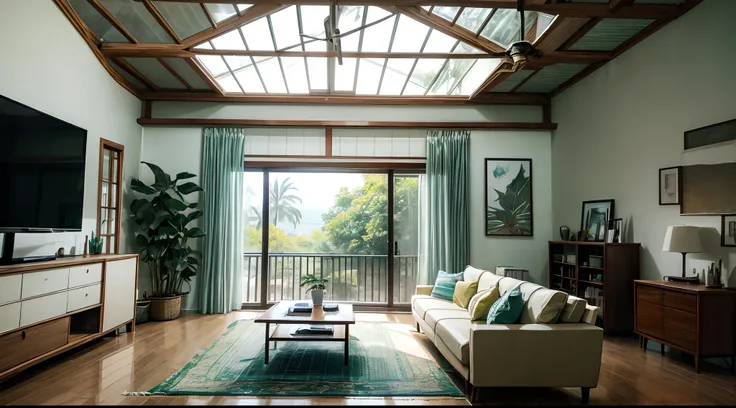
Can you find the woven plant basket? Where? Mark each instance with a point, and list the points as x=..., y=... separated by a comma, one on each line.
x=165, y=308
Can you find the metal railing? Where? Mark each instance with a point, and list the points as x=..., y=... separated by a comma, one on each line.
x=352, y=278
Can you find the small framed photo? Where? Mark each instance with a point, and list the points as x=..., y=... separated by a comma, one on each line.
x=669, y=185
x=594, y=219
x=728, y=230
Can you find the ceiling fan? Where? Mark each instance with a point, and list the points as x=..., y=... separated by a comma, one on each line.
x=519, y=50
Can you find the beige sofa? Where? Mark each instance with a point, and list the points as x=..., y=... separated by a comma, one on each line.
x=555, y=343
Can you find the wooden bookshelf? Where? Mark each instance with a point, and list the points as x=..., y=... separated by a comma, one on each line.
x=570, y=271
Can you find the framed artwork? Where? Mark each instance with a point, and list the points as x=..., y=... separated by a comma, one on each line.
x=728, y=230
x=615, y=230
x=594, y=219
x=508, y=190
x=669, y=185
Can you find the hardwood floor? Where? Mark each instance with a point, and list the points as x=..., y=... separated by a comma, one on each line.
x=102, y=371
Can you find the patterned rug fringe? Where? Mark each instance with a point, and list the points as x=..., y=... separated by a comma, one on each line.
x=140, y=393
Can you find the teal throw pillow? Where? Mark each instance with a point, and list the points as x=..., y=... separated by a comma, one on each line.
x=444, y=286
x=507, y=308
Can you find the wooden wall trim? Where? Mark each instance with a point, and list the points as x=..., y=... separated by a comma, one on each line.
x=327, y=164
x=328, y=142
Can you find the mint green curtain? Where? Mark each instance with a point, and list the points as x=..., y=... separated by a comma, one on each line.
x=447, y=235
x=220, y=283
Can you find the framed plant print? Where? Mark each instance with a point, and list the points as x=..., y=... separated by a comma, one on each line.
x=728, y=230
x=669, y=185
x=594, y=219
x=508, y=190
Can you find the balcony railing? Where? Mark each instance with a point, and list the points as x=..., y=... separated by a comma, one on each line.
x=352, y=278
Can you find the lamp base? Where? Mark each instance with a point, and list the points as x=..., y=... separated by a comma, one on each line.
x=690, y=279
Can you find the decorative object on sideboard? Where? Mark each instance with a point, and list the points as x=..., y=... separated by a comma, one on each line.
x=594, y=219
x=713, y=275
x=508, y=195
x=163, y=238
x=685, y=240
x=565, y=233
x=669, y=185
x=86, y=243
x=95, y=244
x=728, y=230
x=60, y=252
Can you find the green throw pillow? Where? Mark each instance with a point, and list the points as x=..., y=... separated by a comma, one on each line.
x=507, y=308
x=444, y=286
x=481, y=303
x=463, y=292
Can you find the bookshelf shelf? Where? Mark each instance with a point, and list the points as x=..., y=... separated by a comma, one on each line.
x=610, y=287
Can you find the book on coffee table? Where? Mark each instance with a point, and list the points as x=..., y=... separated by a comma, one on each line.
x=313, y=329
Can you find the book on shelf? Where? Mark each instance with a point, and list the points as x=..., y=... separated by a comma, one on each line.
x=594, y=297
x=313, y=329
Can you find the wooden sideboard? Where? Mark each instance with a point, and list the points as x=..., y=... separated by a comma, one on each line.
x=47, y=308
x=689, y=317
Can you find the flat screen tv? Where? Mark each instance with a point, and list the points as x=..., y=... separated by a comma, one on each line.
x=42, y=162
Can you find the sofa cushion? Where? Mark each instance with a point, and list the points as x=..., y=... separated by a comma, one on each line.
x=573, y=310
x=481, y=303
x=437, y=315
x=463, y=292
x=423, y=304
x=444, y=285
x=506, y=284
x=507, y=308
x=488, y=280
x=455, y=333
x=541, y=305
x=472, y=274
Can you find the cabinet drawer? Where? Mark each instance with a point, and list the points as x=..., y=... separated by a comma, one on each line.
x=84, y=275
x=9, y=317
x=42, y=308
x=10, y=288
x=83, y=297
x=40, y=283
x=649, y=319
x=30, y=343
x=683, y=338
x=682, y=301
x=679, y=320
x=649, y=294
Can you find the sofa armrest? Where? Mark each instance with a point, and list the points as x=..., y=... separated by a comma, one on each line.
x=423, y=290
x=536, y=355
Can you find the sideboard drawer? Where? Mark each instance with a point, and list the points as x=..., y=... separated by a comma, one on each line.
x=40, y=283
x=30, y=343
x=649, y=319
x=649, y=294
x=84, y=275
x=42, y=308
x=683, y=301
x=9, y=317
x=680, y=320
x=683, y=338
x=83, y=297
x=10, y=288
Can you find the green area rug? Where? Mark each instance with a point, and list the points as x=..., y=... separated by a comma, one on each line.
x=385, y=360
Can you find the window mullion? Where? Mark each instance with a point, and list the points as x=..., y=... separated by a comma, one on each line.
x=411, y=71
x=301, y=41
x=390, y=45
x=431, y=84
x=253, y=61
x=273, y=39
x=360, y=48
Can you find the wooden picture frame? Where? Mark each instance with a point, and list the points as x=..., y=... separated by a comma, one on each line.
x=600, y=206
x=728, y=230
x=670, y=194
x=507, y=177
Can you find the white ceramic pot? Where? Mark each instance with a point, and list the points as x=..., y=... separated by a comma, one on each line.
x=317, y=297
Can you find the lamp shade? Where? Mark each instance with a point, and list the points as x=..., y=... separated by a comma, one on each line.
x=683, y=239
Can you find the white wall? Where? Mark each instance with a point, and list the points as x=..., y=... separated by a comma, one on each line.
x=47, y=65
x=621, y=124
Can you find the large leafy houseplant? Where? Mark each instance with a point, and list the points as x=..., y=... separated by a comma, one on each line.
x=515, y=216
x=163, y=232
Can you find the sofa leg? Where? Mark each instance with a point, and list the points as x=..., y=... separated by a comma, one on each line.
x=473, y=393
x=585, y=391
x=418, y=331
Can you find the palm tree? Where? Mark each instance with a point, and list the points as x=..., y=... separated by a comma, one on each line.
x=282, y=203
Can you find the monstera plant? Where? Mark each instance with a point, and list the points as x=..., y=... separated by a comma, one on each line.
x=164, y=235
x=514, y=217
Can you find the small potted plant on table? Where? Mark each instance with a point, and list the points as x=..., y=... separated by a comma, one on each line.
x=316, y=286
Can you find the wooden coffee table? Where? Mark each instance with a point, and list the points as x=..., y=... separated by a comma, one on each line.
x=285, y=324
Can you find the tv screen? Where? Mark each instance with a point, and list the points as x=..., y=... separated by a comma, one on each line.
x=42, y=163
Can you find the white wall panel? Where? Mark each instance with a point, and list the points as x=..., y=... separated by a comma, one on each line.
x=282, y=141
x=379, y=142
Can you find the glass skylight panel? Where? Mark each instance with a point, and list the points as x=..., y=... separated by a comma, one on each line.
x=427, y=7
x=369, y=74
x=258, y=35
x=313, y=18
x=410, y=35
x=296, y=74
x=228, y=84
x=477, y=74
x=446, y=12
x=317, y=68
x=472, y=18
x=377, y=38
x=345, y=74
x=246, y=73
x=271, y=73
x=285, y=27
x=423, y=74
x=213, y=63
x=394, y=77
x=186, y=19
x=351, y=17
x=456, y=70
x=243, y=7
x=503, y=28
x=375, y=14
x=220, y=12
x=463, y=48
x=439, y=42
x=134, y=16
x=229, y=41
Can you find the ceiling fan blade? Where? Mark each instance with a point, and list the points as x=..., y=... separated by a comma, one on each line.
x=313, y=38
x=338, y=47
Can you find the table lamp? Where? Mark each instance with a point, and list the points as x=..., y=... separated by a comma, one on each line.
x=685, y=240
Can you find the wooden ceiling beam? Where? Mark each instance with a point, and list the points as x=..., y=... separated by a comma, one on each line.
x=446, y=27
x=347, y=54
x=503, y=71
x=251, y=14
x=556, y=57
x=207, y=13
x=202, y=72
x=134, y=72
x=559, y=32
x=580, y=33
x=112, y=20
x=161, y=20
x=142, y=50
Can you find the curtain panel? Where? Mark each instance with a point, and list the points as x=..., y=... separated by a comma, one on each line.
x=220, y=284
x=445, y=234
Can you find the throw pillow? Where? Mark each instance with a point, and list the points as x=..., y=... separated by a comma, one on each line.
x=463, y=292
x=507, y=308
x=444, y=286
x=481, y=303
